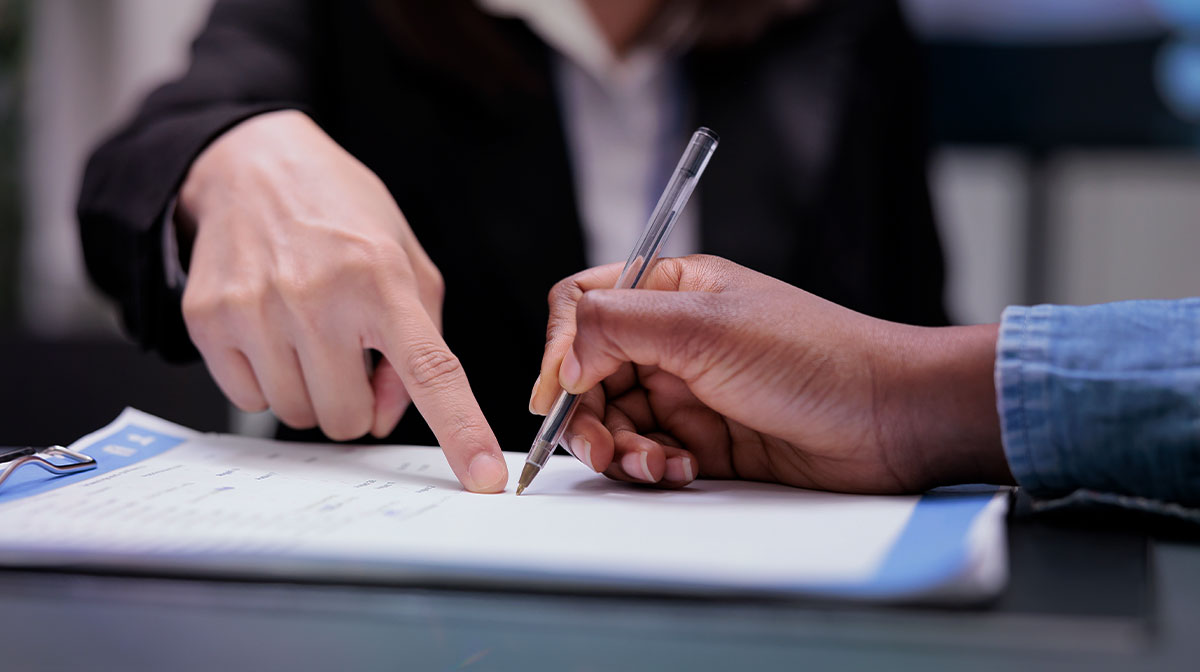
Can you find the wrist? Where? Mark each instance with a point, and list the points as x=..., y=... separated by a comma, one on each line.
x=259, y=146
x=941, y=407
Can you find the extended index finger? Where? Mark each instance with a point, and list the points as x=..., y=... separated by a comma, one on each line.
x=435, y=379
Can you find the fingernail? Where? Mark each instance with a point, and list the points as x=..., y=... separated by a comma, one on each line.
x=637, y=465
x=569, y=372
x=487, y=473
x=533, y=394
x=679, y=470
x=581, y=448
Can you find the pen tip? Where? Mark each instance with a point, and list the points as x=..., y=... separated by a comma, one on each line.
x=526, y=478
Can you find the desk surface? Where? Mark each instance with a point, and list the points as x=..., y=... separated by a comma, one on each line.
x=1079, y=598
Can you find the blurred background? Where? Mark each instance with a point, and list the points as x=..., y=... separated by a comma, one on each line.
x=1066, y=169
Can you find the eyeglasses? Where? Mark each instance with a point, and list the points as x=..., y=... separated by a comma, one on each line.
x=14, y=458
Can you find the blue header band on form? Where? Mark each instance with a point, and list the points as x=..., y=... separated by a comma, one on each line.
x=125, y=447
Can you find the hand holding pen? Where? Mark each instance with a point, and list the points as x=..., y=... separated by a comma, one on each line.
x=712, y=370
x=662, y=220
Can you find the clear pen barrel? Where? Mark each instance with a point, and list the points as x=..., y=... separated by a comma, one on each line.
x=691, y=165
x=693, y=162
x=553, y=427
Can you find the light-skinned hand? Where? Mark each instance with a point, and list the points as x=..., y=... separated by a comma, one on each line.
x=716, y=371
x=301, y=260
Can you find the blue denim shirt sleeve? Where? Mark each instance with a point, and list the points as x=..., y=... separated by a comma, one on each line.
x=1103, y=399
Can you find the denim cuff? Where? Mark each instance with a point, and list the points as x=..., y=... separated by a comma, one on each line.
x=1023, y=399
x=1102, y=398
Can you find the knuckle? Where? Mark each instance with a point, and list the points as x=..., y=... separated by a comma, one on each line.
x=557, y=331
x=684, y=335
x=698, y=332
x=359, y=261
x=438, y=291
x=346, y=426
x=588, y=312
x=669, y=272
x=249, y=402
x=391, y=271
x=432, y=290
x=295, y=415
x=232, y=296
x=432, y=365
x=462, y=431
x=241, y=298
x=387, y=256
x=705, y=273
x=200, y=325
x=294, y=286
x=594, y=310
x=563, y=295
x=210, y=316
x=433, y=282
x=379, y=261
x=195, y=305
x=198, y=307
x=594, y=322
x=564, y=292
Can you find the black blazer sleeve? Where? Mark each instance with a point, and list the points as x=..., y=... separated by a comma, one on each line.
x=252, y=57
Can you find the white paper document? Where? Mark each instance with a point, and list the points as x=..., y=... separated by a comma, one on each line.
x=168, y=499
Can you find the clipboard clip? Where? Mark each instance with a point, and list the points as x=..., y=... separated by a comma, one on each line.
x=12, y=459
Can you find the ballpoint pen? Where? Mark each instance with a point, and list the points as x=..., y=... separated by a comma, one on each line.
x=695, y=158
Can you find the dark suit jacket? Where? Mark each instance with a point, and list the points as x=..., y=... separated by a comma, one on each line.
x=819, y=181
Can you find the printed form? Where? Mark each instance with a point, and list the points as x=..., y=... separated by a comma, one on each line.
x=169, y=499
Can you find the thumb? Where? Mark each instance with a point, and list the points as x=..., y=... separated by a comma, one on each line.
x=675, y=331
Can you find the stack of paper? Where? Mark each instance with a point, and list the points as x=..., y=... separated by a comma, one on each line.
x=167, y=499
